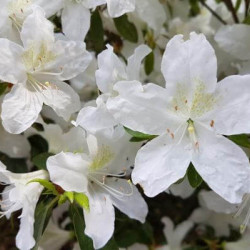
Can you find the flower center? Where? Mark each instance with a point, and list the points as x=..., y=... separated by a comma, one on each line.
x=192, y=134
x=100, y=174
x=101, y=159
x=192, y=105
x=35, y=58
x=17, y=11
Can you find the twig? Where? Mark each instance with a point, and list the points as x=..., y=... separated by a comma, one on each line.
x=231, y=8
x=247, y=5
x=213, y=12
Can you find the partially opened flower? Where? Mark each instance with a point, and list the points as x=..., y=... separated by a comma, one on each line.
x=20, y=194
x=37, y=71
x=99, y=174
x=175, y=235
x=111, y=70
x=190, y=116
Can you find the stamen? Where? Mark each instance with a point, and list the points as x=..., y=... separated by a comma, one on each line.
x=192, y=134
x=118, y=194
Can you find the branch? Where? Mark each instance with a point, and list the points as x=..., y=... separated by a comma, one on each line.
x=247, y=5
x=231, y=8
x=213, y=12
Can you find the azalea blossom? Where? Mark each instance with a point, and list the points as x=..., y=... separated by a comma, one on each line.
x=111, y=70
x=37, y=71
x=175, y=235
x=14, y=12
x=190, y=116
x=98, y=174
x=20, y=194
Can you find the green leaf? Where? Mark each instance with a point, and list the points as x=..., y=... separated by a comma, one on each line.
x=193, y=177
x=96, y=32
x=237, y=5
x=136, y=134
x=16, y=165
x=47, y=184
x=126, y=29
x=241, y=140
x=42, y=215
x=38, y=145
x=41, y=159
x=76, y=215
x=149, y=63
x=3, y=87
x=70, y=196
x=82, y=200
x=194, y=7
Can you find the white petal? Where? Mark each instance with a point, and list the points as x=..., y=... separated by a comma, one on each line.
x=111, y=69
x=20, y=109
x=235, y=39
x=160, y=163
x=24, y=238
x=214, y=202
x=15, y=146
x=134, y=62
x=69, y=171
x=117, y=8
x=222, y=164
x=177, y=235
x=132, y=205
x=183, y=189
x=50, y=7
x=151, y=12
x=233, y=114
x=37, y=30
x=94, y=119
x=62, y=98
x=100, y=219
x=11, y=68
x=219, y=222
x=71, y=59
x=91, y=4
x=75, y=28
x=142, y=108
x=181, y=231
x=182, y=64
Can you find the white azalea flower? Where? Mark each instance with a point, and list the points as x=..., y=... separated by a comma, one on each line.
x=14, y=12
x=37, y=71
x=190, y=115
x=111, y=70
x=175, y=235
x=98, y=174
x=76, y=28
x=215, y=212
x=20, y=194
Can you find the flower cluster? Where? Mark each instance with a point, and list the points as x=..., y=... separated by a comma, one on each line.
x=106, y=104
